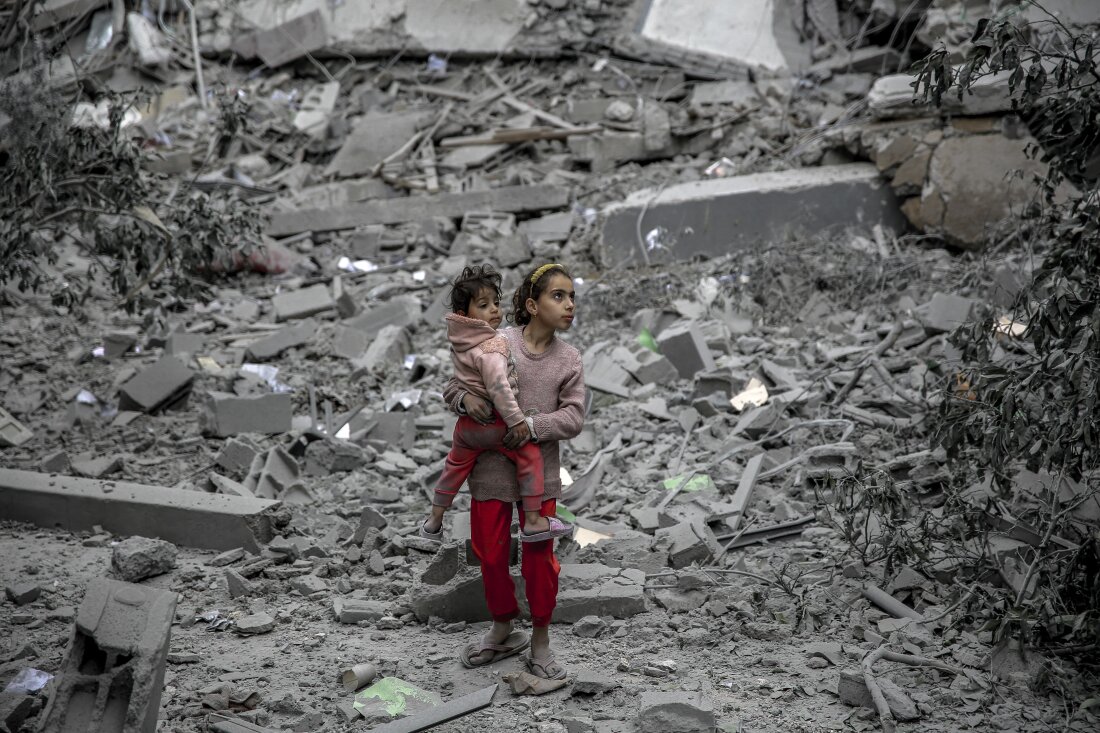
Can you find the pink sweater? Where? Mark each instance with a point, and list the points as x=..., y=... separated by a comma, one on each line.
x=482, y=363
x=551, y=388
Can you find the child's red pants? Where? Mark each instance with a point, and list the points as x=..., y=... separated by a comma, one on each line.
x=471, y=439
x=491, y=536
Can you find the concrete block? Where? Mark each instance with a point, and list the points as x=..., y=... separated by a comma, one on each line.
x=295, y=304
x=225, y=414
x=945, y=313
x=891, y=97
x=654, y=368
x=185, y=344
x=388, y=348
x=188, y=518
x=97, y=467
x=23, y=593
x=238, y=585
x=272, y=474
x=591, y=589
x=228, y=486
x=15, y=707
x=283, y=339
x=163, y=385
x=683, y=345
x=374, y=137
x=137, y=558
x=675, y=712
x=236, y=455
x=716, y=216
x=349, y=342
x=56, y=462
x=113, y=673
x=354, y=610
x=689, y=542
x=308, y=584
x=759, y=420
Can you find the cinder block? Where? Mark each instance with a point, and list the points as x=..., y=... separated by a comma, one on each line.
x=654, y=368
x=113, y=673
x=683, y=345
x=281, y=340
x=225, y=414
x=236, y=455
x=302, y=303
x=164, y=385
x=188, y=518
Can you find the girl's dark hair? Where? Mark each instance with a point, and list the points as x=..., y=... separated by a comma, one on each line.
x=471, y=282
x=533, y=290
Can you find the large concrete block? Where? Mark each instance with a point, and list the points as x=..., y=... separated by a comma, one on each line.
x=283, y=339
x=683, y=345
x=716, y=216
x=675, y=712
x=188, y=518
x=302, y=303
x=227, y=414
x=113, y=673
x=751, y=34
x=160, y=386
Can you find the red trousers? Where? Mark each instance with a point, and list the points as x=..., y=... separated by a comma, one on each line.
x=471, y=439
x=491, y=536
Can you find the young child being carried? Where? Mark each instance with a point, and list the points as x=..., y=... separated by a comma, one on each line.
x=483, y=366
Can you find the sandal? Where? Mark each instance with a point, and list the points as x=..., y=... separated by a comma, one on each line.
x=557, y=529
x=436, y=536
x=516, y=642
x=548, y=669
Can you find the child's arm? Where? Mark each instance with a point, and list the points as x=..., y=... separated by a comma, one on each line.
x=457, y=398
x=494, y=375
x=565, y=422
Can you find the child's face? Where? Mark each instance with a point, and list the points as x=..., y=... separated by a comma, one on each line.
x=556, y=304
x=485, y=306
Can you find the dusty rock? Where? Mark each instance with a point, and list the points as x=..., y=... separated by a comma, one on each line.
x=257, y=623
x=675, y=712
x=137, y=558
x=589, y=627
x=23, y=593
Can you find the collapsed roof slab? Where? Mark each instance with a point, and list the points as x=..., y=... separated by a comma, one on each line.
x=382, y=27
x=718, y=38
x=189, y=518
x=716, y=216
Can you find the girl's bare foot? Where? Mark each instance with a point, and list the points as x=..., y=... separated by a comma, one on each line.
x=541, y=661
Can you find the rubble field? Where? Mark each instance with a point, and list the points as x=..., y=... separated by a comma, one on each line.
x=209, y=504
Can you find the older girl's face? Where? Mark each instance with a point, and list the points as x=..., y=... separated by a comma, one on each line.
x=556, y=304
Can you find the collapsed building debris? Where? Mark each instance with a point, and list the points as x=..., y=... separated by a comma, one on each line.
x=751, y=203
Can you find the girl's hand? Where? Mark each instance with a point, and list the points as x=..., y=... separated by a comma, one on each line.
x=517, y=437
x=477, y=408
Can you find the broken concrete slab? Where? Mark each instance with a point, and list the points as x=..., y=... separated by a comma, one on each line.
x=508, y=199
x=12, y=432
x=256, y=623
x=291, y=40
x=474, y=26
x=892, y=97
x=295, y=304
x=236, y=455
x=188, y=518
x=161, y=386
x=716, y=216
x=113, y=673
x=354, y=610
x=689, y=542
x=945, y=312
x=675, y=712
x=137, y=558
x=591, y=589
x=283, y=339
x=374, y=137
x=225, y=414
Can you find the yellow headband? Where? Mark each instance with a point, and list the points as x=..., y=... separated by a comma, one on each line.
x=542, y=271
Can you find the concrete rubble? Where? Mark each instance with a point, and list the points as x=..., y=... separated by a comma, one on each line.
x=771, y=244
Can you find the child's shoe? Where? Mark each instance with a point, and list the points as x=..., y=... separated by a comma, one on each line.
x=436, y=536
x=557, y=529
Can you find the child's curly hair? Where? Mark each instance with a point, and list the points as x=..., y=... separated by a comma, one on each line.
x=532, y=289
x=470, y=282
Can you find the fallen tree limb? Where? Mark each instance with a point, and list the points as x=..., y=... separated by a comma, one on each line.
x=884, y=345
x=885, y=715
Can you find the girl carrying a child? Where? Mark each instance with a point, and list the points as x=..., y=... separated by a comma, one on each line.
x=551, y=393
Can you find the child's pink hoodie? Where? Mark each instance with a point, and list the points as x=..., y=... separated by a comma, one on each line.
x=483, y=365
